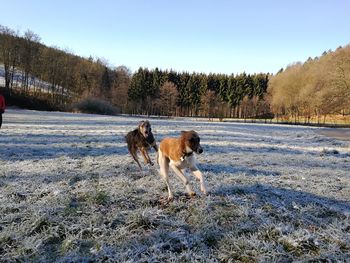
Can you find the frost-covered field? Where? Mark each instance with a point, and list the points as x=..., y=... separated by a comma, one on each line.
x=71, y=193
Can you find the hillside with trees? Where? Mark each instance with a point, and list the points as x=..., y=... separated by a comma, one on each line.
x=60, y=78
x=311, y=91
x=36, y=72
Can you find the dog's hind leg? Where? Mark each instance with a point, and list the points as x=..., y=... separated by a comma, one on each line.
x=133, y=153
x=164, y=172
x=184, y=179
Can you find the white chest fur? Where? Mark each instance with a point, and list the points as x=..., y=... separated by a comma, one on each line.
x=185, y=162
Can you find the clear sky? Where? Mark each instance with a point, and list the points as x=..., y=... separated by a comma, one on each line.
x=219, y=36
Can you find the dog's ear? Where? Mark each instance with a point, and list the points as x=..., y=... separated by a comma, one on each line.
x=195, y=134
x=141, y=123
x=192, y=132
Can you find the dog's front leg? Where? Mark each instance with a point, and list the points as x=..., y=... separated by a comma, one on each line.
x=154, y=145
x=198, y=174
x=184, y=179
x=146, y=156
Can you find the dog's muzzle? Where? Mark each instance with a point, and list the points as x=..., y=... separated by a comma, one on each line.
x=199, y=150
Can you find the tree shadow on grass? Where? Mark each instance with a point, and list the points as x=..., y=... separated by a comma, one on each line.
x=37, y=147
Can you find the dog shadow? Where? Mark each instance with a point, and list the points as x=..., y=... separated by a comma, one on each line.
x=54, y=146
x=279, y=196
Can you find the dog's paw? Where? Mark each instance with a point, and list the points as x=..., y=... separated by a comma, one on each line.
x=191, y=194
x=204, y=190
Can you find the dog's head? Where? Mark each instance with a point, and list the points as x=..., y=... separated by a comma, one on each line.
x=192, y=141
x=145, y=128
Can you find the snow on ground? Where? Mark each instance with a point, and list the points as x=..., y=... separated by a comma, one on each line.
x=71, y=193
x=34, y=83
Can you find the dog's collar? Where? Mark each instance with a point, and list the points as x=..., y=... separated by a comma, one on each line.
x=185, y=154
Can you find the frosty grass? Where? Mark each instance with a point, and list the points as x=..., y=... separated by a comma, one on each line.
x=69, y=192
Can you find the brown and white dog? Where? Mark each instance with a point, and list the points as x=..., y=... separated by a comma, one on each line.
x=141, y=139
x=178, y=153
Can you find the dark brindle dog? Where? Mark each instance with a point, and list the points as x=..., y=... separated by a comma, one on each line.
x=141, y=139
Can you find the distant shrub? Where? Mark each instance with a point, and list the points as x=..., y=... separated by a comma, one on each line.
x=96, y=106
x=31, y=101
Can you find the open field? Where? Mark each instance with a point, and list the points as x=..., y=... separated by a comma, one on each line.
x=71, y=193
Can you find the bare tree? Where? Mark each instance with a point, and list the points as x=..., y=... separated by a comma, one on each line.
x=29, y=55
x=120, y=86
x=8, y=53
x=167, y=100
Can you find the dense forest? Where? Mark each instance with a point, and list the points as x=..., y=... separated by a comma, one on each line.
x=303, y=92
x=192, y=94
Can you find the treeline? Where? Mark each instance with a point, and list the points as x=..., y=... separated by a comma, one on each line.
x=160, y=92
x=55, y=75
x=302, y=92
x=313, y=90
x=62, y=78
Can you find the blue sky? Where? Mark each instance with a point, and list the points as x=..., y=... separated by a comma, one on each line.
x=219, y=36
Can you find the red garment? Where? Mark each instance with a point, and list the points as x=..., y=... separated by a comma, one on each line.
x=2, y=103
